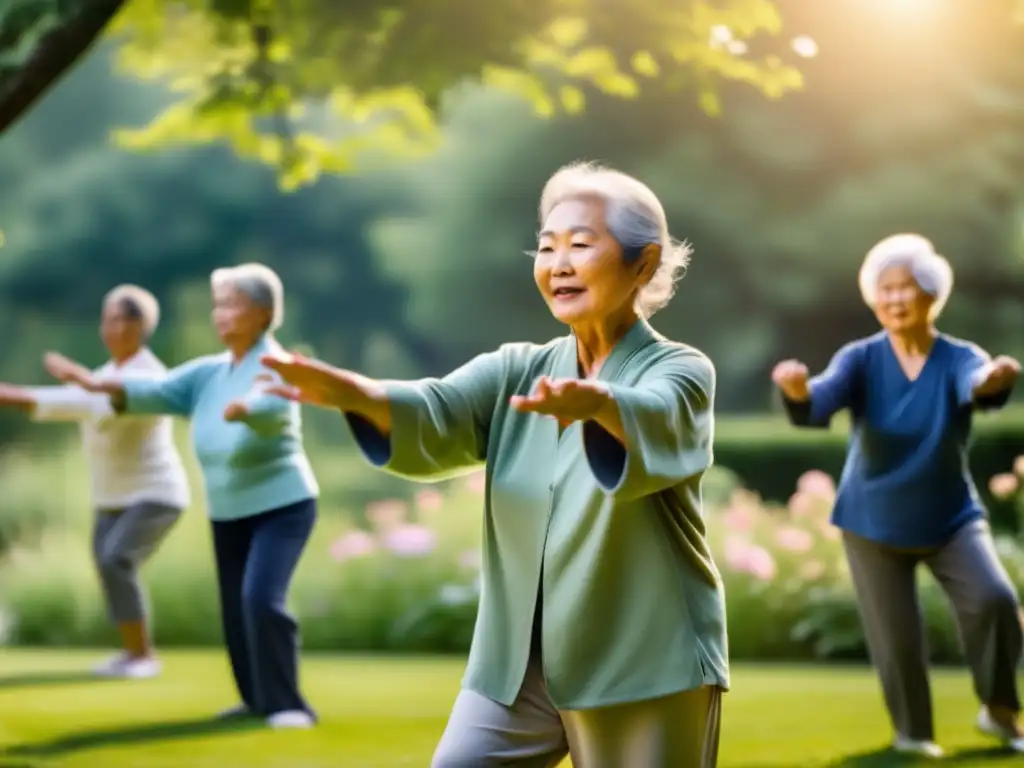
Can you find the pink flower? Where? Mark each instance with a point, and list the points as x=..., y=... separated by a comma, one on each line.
x=429, y=500
x=410, y=540
x=812, y=570
x=1018, y=466
x=804, y=504
x=743, y=557
x=743, y=497
x=736, y=552
x=386, y=514
x=760, y=564
x=794, y=539
x=476, y=483
x=738, y=518
x=470, y=560
x=1004, y=485
x=743, y=510
x=817, y=483
x=353, y=544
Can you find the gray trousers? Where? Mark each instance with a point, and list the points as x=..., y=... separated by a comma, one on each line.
x=984, y=604
x=677, y=731
x=122, y=540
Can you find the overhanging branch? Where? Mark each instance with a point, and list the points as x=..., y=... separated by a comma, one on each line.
x=57, y=48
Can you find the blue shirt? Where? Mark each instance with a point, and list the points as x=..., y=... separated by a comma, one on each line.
x=906, y=481
x=249, y=466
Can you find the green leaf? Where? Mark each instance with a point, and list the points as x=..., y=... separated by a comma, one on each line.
x=710, y=103
x=568, y=31
x=573, y=99
x=527, y=85
x=643, y=63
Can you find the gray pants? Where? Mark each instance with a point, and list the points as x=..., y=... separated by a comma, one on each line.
x=122, y=540
x=677, y=731
x=984, y=603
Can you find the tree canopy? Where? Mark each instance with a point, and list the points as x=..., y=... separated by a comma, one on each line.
x=309, y=86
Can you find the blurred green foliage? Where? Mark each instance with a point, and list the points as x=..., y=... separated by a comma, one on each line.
x=261, y=76
x=370, y=582
x=768, y=456
x=410, y=269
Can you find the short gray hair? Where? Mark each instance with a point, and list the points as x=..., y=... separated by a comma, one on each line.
x=136, y=303
x=635, y=217
x=932, y=272
x=259, y=283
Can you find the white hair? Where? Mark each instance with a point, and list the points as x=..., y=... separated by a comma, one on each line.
x=136, y=303
x=932, y=272
x=635, y=217
x=259, y=283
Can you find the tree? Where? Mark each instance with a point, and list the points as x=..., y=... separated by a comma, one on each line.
x=39, y=41
x=781, y=200
x=271, y=78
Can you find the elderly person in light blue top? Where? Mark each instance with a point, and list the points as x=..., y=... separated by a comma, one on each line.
x=906, y=496
x=261, y=492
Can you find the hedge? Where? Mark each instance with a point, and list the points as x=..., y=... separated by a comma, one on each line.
x=769, y=455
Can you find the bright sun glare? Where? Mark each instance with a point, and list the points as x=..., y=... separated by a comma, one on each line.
x=908, y=10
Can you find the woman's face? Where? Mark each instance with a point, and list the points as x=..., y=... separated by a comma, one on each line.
x=121, y=333
x=900, y=303
x=237, y=320
x=579, y=268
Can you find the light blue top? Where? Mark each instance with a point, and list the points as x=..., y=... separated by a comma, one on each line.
x=906, y=483
x=250, y=466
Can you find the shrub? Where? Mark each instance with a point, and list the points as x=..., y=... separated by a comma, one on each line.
x=401, y=574
x=769, y=455
x=357, y=588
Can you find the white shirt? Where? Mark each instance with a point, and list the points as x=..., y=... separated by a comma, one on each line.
x=132, y=459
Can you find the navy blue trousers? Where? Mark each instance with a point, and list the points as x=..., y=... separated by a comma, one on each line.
x=256, y=558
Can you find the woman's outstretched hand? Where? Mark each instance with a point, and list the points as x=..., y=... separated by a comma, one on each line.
x=314, y=382
x=792, y=378
x=67, y=370
x=997, y=376
x=567, y=400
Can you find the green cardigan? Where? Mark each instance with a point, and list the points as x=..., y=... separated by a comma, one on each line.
x=612, y=540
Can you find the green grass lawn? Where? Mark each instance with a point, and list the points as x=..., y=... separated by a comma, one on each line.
x=390, y=712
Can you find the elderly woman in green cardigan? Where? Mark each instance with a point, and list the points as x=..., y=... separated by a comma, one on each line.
x=601, y=629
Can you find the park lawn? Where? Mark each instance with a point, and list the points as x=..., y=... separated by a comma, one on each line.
x=379, y=712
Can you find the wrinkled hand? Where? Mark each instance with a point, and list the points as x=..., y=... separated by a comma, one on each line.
x=9, y=393
x=62, y=368
x=996, y=376
x=235, y=411
x=312, y=381
x=567, y=400
x=791, y=377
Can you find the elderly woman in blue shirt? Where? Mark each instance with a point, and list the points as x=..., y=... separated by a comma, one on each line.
x=906, y=496
x=261, y=493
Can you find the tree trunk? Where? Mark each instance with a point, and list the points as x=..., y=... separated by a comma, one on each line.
x=54, y=36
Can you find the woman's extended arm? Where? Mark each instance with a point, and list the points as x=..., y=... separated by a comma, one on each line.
x=428, y=429
x=171, y=394
x=67, y=403
x=813, y=402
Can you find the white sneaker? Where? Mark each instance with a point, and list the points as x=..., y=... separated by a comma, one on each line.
x=290, y=718
x=990, y=727
x=928, y=749
x=124, y=666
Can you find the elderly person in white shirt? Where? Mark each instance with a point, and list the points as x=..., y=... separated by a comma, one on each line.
x=139, y=485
